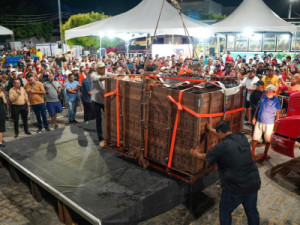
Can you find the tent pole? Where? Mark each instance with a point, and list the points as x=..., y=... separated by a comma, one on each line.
x=226, y=41
x=218, y=44
x=100, y=47
x=127, y=47
x=295, y=38
x=13, y=41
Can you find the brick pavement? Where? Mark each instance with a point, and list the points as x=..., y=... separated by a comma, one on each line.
x=278, y=200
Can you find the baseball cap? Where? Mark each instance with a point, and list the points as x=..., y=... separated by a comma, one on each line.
x=271, y=87
x=100, y=65
x=260, y=83
x=251, y=70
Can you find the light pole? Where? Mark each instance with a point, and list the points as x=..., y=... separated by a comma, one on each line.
x=290, y=8
x=60, y=23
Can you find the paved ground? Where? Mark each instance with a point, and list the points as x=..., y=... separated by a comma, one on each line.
x=278, y=200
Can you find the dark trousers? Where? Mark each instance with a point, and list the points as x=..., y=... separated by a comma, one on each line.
x=98, y=115
x=16, y=110
x=229, y=202
x=40, y=110
x=88, y=108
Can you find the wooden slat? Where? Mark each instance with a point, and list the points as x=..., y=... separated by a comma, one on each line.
x=60, y=211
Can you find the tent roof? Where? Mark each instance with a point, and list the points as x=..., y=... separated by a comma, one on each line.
x=5, y=31
x=254, y=15
x=140, y=19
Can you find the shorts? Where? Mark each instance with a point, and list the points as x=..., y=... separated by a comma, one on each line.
x=260, y=129
x=53, y=108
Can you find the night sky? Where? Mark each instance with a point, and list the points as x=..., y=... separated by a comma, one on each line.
x=114, y=7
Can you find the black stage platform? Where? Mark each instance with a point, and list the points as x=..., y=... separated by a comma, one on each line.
x=98, y=184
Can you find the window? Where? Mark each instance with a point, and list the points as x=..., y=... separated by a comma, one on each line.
x=296, y=42
x=255, y=42
x=241, y=42
x=230, y=42
x=269, y=42
x=283, y=42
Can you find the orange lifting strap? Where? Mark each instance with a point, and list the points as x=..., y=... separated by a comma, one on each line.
x=118, y=110
x=182, y=107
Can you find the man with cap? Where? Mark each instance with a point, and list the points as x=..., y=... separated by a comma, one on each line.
x=270, y=78
x=255, y=96
x=250, y=82
x=75, y=72
x=98, y=91
x=217, y=72
x=267, y=111
x=229, y=73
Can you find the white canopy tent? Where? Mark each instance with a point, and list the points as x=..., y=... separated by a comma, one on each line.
x=255, y=16
x=5, y=31
x=141, y=20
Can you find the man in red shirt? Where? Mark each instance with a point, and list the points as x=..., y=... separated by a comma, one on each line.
x=229, y=58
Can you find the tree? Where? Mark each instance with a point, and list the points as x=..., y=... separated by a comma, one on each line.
x=212, y=16
x=90, y=41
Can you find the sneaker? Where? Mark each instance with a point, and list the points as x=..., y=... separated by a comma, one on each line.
x=27, y=132
x=55, y=127
x=2, y=145
x=47, y=129
x=39, y=131
x=74, y=121
x=16, y=135
x=102, y=144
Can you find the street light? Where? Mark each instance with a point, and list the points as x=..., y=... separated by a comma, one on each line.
x=60, y=23
x=290, y=8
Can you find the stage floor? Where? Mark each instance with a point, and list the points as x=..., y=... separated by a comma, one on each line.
x=98, y=184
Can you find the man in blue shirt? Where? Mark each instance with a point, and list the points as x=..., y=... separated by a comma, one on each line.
x=267, y=109
x=72, y=87
x=86, y=97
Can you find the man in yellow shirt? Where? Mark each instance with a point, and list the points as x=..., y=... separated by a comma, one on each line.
x=270, y=78
x=36, y=92
x=39, y=54
x=19, y=105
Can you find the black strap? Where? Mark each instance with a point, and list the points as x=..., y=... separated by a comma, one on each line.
x=53, y=86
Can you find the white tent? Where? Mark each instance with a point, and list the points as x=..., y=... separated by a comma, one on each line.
x=5, y=31
x=141, y=19
x=253, y=15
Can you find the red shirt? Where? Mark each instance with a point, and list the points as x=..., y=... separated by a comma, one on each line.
x=229, y=59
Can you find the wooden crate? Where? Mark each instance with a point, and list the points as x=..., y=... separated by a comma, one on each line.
x=159, y=118
x=129, y=104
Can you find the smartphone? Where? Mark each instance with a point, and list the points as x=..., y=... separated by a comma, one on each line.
x=280, y=76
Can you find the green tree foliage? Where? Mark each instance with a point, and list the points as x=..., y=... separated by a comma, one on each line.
x=24, y=26
x=212, y=16
x=90, y=41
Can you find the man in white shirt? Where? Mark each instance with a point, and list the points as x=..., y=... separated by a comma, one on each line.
x=98, y=91
x=249, y=82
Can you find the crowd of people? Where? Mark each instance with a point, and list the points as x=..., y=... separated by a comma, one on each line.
x=52, y=83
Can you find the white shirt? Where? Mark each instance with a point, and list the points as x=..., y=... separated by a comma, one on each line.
x=250, y=83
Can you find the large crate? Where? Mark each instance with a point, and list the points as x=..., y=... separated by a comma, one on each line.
x=158, y=120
